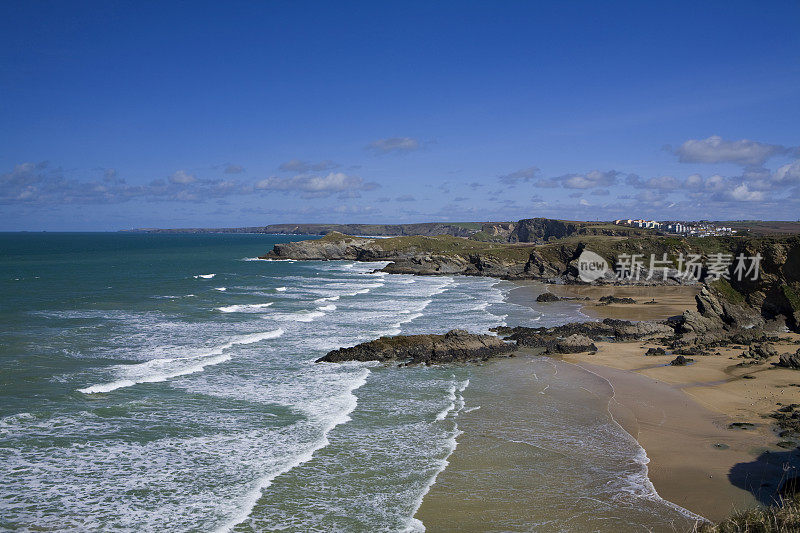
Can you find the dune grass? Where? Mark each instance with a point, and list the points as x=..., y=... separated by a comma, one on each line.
x=782, y=518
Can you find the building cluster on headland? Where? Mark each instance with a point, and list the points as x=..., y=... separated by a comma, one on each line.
x=693, y=229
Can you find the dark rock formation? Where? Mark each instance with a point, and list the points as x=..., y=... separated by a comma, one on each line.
x=681, y=361
x=575, y=343
x=541, y=229
x=788, y=419
x=760, y=351
x=790, y=360
x=606, y=300
x=580, y=336
x=715, y=312
x=547, y=297
x=333, y=247
x=723, y=305
x=454, y=346
x=609, y=329
x=656, y=351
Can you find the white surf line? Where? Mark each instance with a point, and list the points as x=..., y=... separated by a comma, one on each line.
x=415, y=524
x=213, y=357
x=643, y=459
x=451, y=395
x=243, y=308
x=257, y=490
x=204, y=276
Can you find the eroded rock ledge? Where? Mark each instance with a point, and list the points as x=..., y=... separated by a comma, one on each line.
x=454, y=346
x=460, y=346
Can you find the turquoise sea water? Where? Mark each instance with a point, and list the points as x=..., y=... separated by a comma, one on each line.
x=167, y=382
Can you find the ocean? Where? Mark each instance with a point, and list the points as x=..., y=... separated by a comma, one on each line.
x=153, y=382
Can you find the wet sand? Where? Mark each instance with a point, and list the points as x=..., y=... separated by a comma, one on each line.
x=542, y=453
x=680, y=415
x=652, y=303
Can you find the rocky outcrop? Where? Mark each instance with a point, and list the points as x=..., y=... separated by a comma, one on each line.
x=760, y=351
x=773, y=297
x=333, y=247
x=427, y=264
x=681, y=361
x=717, y=312
x=580, y=336
x=547, y=297
x=775, y=292
x=788, y=418
x=575, y=343
x=788, y=360
x=541, y=230
x=454, y=346
x=608, y=300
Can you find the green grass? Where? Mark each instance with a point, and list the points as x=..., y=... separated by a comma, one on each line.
x=724, y=289
x=466, y=225
x=792, y=295
x=783, y=518
x=561, y=251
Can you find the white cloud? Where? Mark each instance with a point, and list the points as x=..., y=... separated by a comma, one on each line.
x=695, y=181
x=312, y=186
x=742, y=193
x=717, y=150
x=590, y=180
x=715, y=183
x=355, y=209
x=525, y=174
x=38, y=184
x=182, y=177
x=789, y=173
x=664, y=183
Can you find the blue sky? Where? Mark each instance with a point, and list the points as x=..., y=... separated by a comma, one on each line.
x=161, y=114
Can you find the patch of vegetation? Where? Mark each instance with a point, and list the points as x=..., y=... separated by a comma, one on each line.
x=725, y=290
x=765, y=227
x=467, y=225
x=792, y=295
x=783, y=518
x=482, y=236
x=335, y=236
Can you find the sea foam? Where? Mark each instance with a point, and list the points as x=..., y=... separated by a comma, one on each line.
x=157, y=370
x=248, y=308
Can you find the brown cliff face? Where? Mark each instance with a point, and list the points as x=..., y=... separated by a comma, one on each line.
x=751, y=303
x=723, y=305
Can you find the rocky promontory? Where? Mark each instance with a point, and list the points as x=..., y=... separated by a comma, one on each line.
x=577, y=337
x=454, y=346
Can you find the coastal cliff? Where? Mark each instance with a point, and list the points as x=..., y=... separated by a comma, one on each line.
x=722, y=304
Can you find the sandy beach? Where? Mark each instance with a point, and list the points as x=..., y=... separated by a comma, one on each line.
x=681, y=416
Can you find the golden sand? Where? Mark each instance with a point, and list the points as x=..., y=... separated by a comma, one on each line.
x=680, y=415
